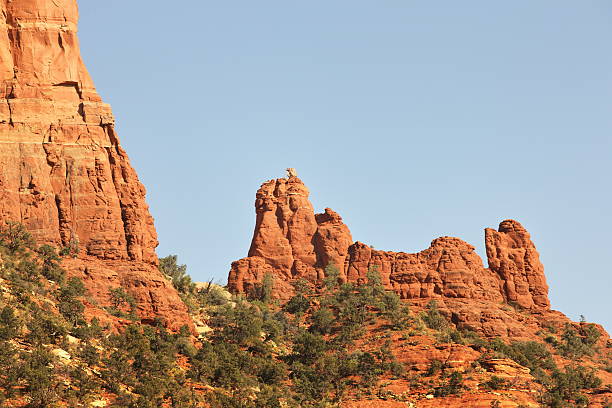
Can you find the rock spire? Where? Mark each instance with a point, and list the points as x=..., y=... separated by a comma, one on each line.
x=291, y=242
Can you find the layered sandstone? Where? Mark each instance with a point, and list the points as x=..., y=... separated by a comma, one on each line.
x=516, y=261
x=450, y=268
x=63, y=173
x=291, y=242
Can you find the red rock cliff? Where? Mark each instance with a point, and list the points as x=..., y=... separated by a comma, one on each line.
x=515, y=259
x=448, y=268
x=63, y=173
x=291, y=242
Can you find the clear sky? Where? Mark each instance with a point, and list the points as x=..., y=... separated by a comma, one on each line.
x=412, y=119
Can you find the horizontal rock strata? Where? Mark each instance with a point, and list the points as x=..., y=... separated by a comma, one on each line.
x=63, y=173
x=291, y=242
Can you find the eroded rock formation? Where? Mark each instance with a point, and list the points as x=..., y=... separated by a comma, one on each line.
x=515, y=259
x=448, y=268
x=63, y=173
x=291, y=242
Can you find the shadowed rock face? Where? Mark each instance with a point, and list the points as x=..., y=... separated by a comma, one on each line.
x=63, y=173
x=291, y=242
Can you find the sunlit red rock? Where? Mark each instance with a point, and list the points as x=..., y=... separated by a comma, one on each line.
x=63, y=173
x=291, y=242
x=516, y=261
x=448, y=268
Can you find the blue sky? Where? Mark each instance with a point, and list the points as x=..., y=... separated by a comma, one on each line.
x=412, y=119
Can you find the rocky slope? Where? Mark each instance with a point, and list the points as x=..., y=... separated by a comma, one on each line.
x=63, y=173
x=505, y=303
x=489, y=339
x=345, y=346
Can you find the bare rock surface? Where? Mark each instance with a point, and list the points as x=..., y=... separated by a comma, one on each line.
x=516, y=261
x=63, y=173
x=291, y=242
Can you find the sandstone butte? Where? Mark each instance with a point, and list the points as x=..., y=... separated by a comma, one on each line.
x=63, y=173
x=291, y=242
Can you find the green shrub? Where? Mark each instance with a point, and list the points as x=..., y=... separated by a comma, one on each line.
x=10, y=324
x=45, y=328
x=69, y=304
x=15, y=237
x=263, y=290
x=435, y=366
x=72, y=249
x=93, y=330
x=241, y=324
x=394, y=311
x=41, y=384
x=297, y=305
x=332, y=278
x=84, y=385
x=472, y=339
x=530, y=354
x=433, y=318
x=222, y=365
x=308, y=347
x=575, y=344
x=50, y=264
x=145, y=359
x=452, y=386
x=177, y=273
x=9, y=375
x=567, y=386
x=211, y=295
x=495, y=383
x=123, y=304
x=89, y=354
x=28, y=270
x=590, y=334
x=322, y=320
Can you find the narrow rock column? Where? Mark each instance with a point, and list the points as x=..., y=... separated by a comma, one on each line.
x=513, y=256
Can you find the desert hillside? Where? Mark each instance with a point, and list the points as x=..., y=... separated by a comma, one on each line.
x=91, y=317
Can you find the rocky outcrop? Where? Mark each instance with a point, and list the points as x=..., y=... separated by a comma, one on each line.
x=448, y=268
x=247, y=273
x=332, y=241
x=291, y=242
x=63, y=173
x=506, y=368
x=285, y=228
x=513, y=257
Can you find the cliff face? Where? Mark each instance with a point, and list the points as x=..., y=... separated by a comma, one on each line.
x=290, y=237
x=448, y=268
x=516, y=261
x=292, y=242
x=63, y=173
